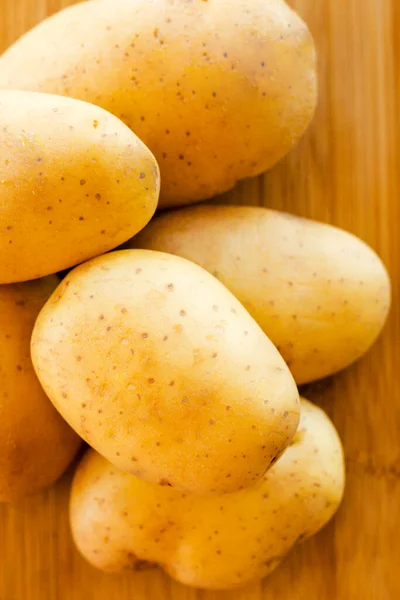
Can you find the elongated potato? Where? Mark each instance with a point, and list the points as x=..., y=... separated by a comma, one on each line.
x=74, y=183
x=36, y=445
x=159, y=368
x=120, y=522
x=218, y=90
x=320, y=294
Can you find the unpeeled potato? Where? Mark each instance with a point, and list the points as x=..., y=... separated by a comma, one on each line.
x=120, y=522
x=159, y=368
x=74, y=182
x=218, y=90
x=320, y=294
x=36, y=445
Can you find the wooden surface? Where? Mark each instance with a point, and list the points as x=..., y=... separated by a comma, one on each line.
x=345, y=171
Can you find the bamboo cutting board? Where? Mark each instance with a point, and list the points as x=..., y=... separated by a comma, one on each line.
x=345, y=171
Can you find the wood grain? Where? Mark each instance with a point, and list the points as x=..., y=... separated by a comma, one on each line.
x=344, y=171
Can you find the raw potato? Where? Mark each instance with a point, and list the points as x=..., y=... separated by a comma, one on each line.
x=74, y=182
x=218, y=90
x=120, y=522
x=36, y=445
x=159, y=368
x=320, y=294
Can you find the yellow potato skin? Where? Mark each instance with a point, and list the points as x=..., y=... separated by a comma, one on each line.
x=218, y=542
x=74, y=182
x=159, y=368
x=218, y=90
x=36, y=445
x=320, y=294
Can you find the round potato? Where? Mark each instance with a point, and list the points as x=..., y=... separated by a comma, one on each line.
x=159, y=368
x=220, y=542
x=218, y=90
x=36, y=445
x=74, y=182
x=320, y=294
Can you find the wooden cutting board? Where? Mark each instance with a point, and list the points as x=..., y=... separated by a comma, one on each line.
x=345, y=171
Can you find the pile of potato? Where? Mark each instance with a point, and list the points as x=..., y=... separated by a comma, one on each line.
x=176, y=357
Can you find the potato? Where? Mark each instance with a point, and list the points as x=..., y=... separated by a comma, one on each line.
x=36, y=445
x=159, y=368
x=221, y=542
x=74, y=183
x=217, y=90
x=320, y=294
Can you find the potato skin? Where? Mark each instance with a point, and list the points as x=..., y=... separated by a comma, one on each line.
x=74, y=182
x=320, y=294
x=36, y=445
x=220, y=542
x=159, y=368
x=218, y=90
